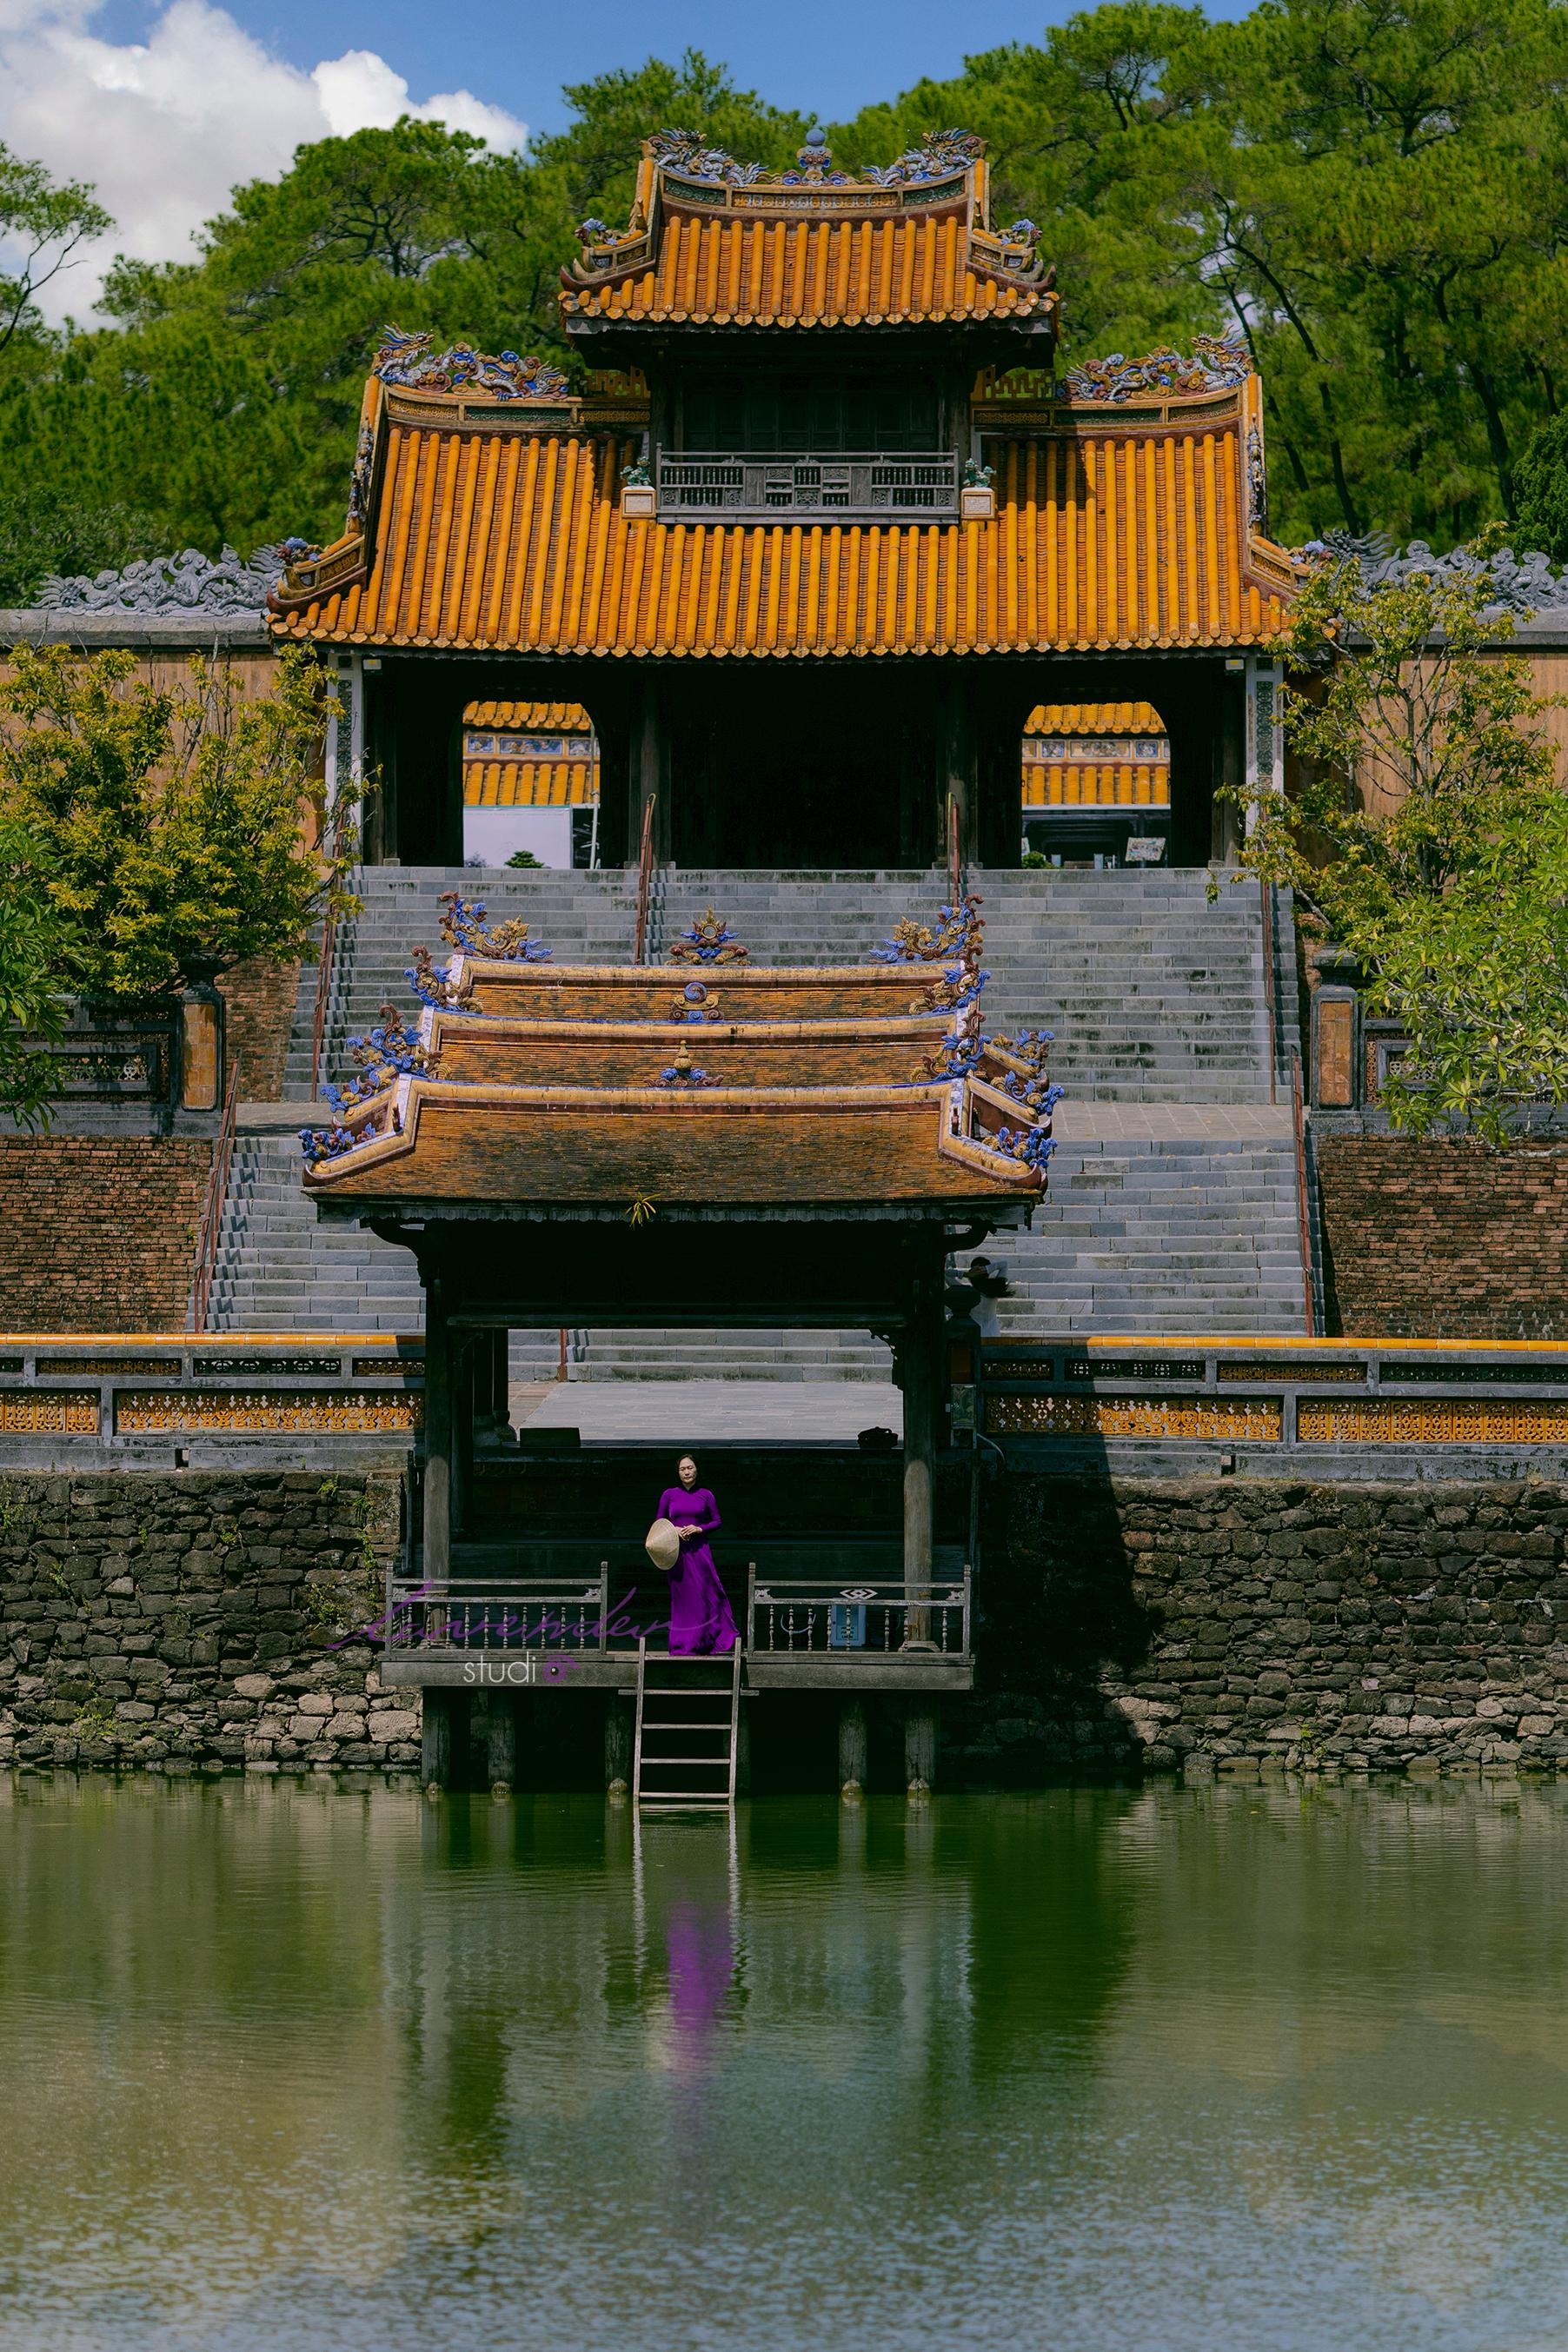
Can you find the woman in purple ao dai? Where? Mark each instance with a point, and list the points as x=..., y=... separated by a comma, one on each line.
x=701, y=1621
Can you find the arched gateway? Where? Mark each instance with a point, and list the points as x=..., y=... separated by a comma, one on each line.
x=820, y=535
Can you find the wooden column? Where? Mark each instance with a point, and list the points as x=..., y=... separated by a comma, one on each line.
x=500, y=1742
x=650, y=773
x=920, y=1745
x=438, y=1722
x=468, y=1369
x=619, y=1728
x=854, y=1750
x=438, y=1561
x=960, y=780
x=920, y=1374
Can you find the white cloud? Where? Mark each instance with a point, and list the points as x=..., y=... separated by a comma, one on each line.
x=165, y=128
x=359, y=92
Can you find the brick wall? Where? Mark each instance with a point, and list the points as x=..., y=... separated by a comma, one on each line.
x=99, y=1233
x=259, y=998
x=1443, y=1241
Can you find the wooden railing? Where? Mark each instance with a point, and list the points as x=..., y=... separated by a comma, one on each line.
x=1303, y=1210
x=835, y=1617
x=1270, y=994
x=837, y=486
x=548, y=1613
x=325, y=967
x=1279, y=1397
x=213, y=1206
x=645, y=879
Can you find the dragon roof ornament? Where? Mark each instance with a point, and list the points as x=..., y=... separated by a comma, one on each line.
x=943, y=154
x=1220, y=362
x=406, y=362
x=187, y=582
x=1520, y=584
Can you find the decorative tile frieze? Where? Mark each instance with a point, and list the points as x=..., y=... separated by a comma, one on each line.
x=347, y=1412
x=1460, y=1420
x=25, y=1413
x=1259, y=1418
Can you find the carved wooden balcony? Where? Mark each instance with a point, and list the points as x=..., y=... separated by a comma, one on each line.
x=703, y=485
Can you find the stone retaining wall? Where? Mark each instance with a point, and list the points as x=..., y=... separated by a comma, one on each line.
x=183, y=1621
x=1276, y=1627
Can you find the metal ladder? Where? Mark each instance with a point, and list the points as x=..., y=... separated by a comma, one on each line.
x=706, y=1693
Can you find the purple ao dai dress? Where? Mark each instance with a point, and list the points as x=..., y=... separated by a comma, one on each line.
x=701, y=1621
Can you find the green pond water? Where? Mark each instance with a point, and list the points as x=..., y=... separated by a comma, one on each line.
x=1252, y=2067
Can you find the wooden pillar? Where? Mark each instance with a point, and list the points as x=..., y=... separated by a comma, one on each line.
x=743, y=1748
x=999, y=815
x=437, y=1559
x=854, y=1748
x=615, y=735
x=619, y=1727
x=500, y=1742
x=920, y=1374
x=467, y=1366
x=650, y=773
x=438, y=1744
x=920, y=1745
x=960, y=781
x=490, y=1375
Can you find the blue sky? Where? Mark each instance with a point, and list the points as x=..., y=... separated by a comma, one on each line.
x=165, y=106
x=818, y=54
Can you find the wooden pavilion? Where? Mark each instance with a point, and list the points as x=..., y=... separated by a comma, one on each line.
x=702, y=1143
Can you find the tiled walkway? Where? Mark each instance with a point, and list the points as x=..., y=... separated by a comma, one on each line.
x=692, y=1413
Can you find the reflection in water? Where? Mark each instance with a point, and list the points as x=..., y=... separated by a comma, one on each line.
x=1238, y=2068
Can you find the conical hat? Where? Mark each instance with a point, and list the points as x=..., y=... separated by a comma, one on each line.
x=663, y=1544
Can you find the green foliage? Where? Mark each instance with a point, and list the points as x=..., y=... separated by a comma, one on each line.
x=224, y=402
x=524, y=860
x=41, y=226
x=168, y=822
x=1429, y=838
x=1478, y=975
x=1375, y=197
x=1542, y=477
x=94, y=1720
x=324, y=1611
x=37, y=965
x=42, y=531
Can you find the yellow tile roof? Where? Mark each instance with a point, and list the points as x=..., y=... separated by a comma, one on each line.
x=502, y=783
x=530, y=718
x=1096, y=784
x=487, y=534
x=1094, y=718
x=811, y=273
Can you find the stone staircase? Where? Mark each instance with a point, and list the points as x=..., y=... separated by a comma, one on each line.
x=1154, y=991
x=1163, y=1234
x=582, y=918
x=279, y=1270
x=1171, y=1215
